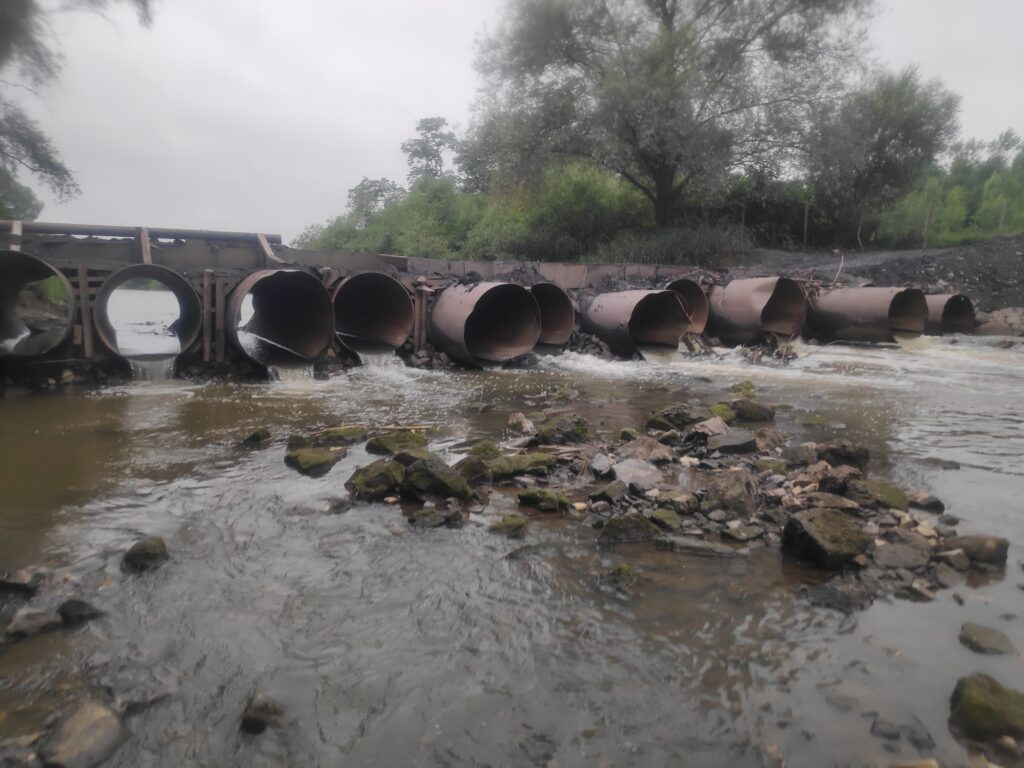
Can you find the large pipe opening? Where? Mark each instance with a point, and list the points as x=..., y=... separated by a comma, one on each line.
x=557, y=317
x=37, y=306
x=629, y=320
x=746, y=310
x=867, y=314
x=949, y=313
x=146, y=310
x=695, y=303
x=486, y=323
x=281, y=317
x=372, y=312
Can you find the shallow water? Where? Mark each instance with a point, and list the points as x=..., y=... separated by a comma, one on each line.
x=391, y=646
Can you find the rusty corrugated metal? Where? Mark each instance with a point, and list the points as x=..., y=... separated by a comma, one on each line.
x=627, y=320
x=557, y=316
x=747, y=310
x=485, y=323
x=949, y=313
x=372, y=310
x=695, y=303
x=17, y=339
x=877, y=314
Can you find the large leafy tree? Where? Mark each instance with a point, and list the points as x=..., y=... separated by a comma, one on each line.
x=426, y=152
x=29, y=60
x=670, y=94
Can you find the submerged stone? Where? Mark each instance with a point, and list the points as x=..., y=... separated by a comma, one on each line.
x=485, y=449
x=474, y=470
x=340, y=436
x=622, y=576
x=631, y=526
x=666, y=518
x=313, y=462
x=513, y=526
x=377, y=480
x=85, y=735
x=259, y=437
x=824, y=536
x=391, y=443
x=981, y=708
x=544, y=500
x=637, y=474
x=565, y=429
x=982, y=639
x=507, y=467
x=260, y=712
x=28, y=622
x=990, y=550
x=432, y=477
x=144, y=555
x=74, y=612
x=723, y=412
x=752, y=410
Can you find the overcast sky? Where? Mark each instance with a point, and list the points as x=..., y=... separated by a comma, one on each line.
x=259, y=115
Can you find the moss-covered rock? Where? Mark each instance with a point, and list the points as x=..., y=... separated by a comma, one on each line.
x=724, y=412
x=313, y=462
x=507, y=467
x=432, y=477
x=631, y=526
x=838, y=452
x=340, y=436
x=981, y=708
x=544, y=500
x=407, y=456
x=295, y=442
x=752, y=410
x=745, y=388
x=682, y=502
x=565, y=429
x=826, y=537
x=145, y=555
x=393, y=442
x=665, y=518
x=259, y=437
x=474, y=470
x=775, y=466
x=513, y=526
x=377, y=480
x=486, y=450
x=622, y=576
x=628, y=434
x=677, y=417
x=887, y=494
x=615, y=491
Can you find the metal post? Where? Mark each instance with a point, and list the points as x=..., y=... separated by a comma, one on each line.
x=219, y=310
x=207, y=315
x=86, y=310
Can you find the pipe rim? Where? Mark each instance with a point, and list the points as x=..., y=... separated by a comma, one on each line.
x=695, y=303
x=958, y=314
x=785, y=312
x=494, y=349
x=369, y=290
x=43, y=270
x=557, y=315
x=666, y=315
x=908, y=313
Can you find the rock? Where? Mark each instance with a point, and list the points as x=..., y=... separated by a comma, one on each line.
x=622, y=576
x=734, y=489
x=924, y=500
x=772, y=466
x=474, y=470
x=564, y=429
x=260, y=713
x=486, y=450
x=665, y=518
x=723, y=413
x=688, y=546
x=745, y=388
x=513, y=526
x=85, y=735
x=981, y=549
x=836, y=479
x=917, y=735
x=628, y=434
x=339, y=436
x=711, y=427
x=74, y=612
x=314, y=462
x=432, y=477
x=845, y=594
x=824, y=536
x=28, y=622
x=752, y=410
x=259, y=437
x=631, y=526
x=295, y=442
x=145, y=555
x=521, y=425
x=900, y=555
x=646, y=449
x=612, y=493
x=800, y=455
x=887, y=495
x=436, y=517
x=839, y=452
x=601, y=465
x=982, y=639
x=676, y=417
x=25, y=581
x=544, y=500
x=931, y=762
x=885, y=729
x=947, y=577
x=743, y=533
x=682, y=502
x=733, y=441
x=828, y=501
x=377, y=480
x=982, y=709
x=393, y=442
x=955, y=558
x=768, y=439
x=507, y=467
x=408, y=456
x=637, y=474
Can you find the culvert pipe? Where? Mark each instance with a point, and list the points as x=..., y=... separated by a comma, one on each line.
x=949, y=313
x=484, y=324
x=292, y=320
x=875, y=314
x=557, y=316
x=746, y=310
x=190, y=307
x=372, y=311
x=627, y=321
x=31, y=331
x=695, y=303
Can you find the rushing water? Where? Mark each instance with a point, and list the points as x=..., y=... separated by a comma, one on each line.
x=393, y=646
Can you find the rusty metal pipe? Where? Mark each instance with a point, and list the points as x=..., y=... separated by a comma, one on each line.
x=292, y=320
x=867, y=314
x=557, y=317
x=190, y=307
x=695, y=303
x=486, y=323
x=949, y=313
x=372, y=311
x=748, y=309
x=156, y=233
x=629, y=320
x=22, y=332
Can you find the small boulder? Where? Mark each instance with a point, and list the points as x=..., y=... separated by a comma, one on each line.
x=982, y=639
x=837, y=479
x=260, y=713
x=723, y=412
x=742, y=533
x=710, y=427
x=432, y=477
x=436, y=517
x=564, y=429
x=25, y=581
x=75, y=612
x=314, y=462
x=646, y=449
x=408, y=456
x=887, y=495
x=614, y=492
x=752, y=410
x=839, y=452
x=377, y=480
x=295, y=442
x=507, y=467
x=990, y=550
x=259, y=437
x=544, y=500
x=513, y=526
x=982, y=709
x=521, y=425
x=825, y=537
x=637, y=474
x=339, y=436
x=631, y=526
x=474, y=470
x=734, y=489
x=485, y=449
x=85, y=735
x=733, y=441
x=391, y=443
x=676, y=417
x=28, y=622
x=601, y=465
x=666, y=518
x=927, y=502
x=145, y=555
x=622, y=576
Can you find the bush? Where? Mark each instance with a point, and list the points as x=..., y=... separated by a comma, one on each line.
x=704, y=246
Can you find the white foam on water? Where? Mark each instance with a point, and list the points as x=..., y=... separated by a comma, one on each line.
x=152, y=369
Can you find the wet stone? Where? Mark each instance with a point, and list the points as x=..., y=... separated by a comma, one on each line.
x=85, y=735
x=900, y=555
x=622, y=576
x=637, y=474
x=436, y=517
x=723, y=413
x=924, y=500
x=544, y=500
x=676, y=417
x=74, y=612
x=824, y=536
x=145, y=555
x=885, y=729
x=989, y=550
x=260, y=713
x=261, y=436
x=485, y=449
x=512, y=526
x=837, y=479
x=839, y=452
x=520, y=424
x=377, y=480
x=507, y=467
x=646, y=449
x=565, y=429
x=28, y=622
x=689, y=546
x=631, y=526
x=982, y=639
x=295, y=442
x=665, y=518
x=432, y=477
x=339, y=436
x=391, y=443
x=981, y=708
x=743, y=533
x=732, y=442
x=408, y=456
x=314, y=462
x=752, y=410
x=947, y=577
x=601, y=465
x=474, y=470
x=25, y=581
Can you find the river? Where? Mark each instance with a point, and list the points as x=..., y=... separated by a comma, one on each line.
x=388, y=645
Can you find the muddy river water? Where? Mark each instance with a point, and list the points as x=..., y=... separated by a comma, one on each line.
x=392, y=646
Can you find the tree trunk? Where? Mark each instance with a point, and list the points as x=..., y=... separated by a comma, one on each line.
x=807, y=207
x=664, y=198
x=1002, y=218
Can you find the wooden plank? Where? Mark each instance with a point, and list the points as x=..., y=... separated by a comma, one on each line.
x=219, y=312
x=15, y=236
x=207, y=315
x=85, y=305
x=269, y=256
x=143, y=239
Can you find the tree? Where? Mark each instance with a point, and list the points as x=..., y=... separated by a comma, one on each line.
x=16, y=200
x=874, y=146
x=371, y=196
x=669, y=94
x=425, y=153
x=28, y=61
